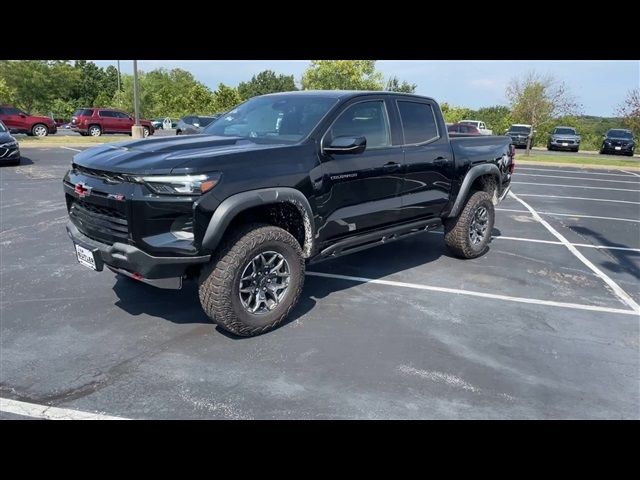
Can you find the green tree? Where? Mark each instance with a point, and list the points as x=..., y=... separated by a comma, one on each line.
x=394, y=85
x=454, y=114
x=7, y=94
x=92, y=81
x=536, y=100
x=266, y=82
x=497, y=118
x=342, y=75
x=629, y=110
x=36, y=83
x=225, y=98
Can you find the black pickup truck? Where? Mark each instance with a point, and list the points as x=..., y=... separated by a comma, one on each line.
x=281, y=181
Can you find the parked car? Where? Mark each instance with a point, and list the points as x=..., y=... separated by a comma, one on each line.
x=482, y=128
x=462, y=129
x=9, y=148
x=18, y=121
x=618, y=140
x=280, y=181
x=194, y=124
x=96, y=121
x=157, y=123
x=564, y=138
x=519, y=134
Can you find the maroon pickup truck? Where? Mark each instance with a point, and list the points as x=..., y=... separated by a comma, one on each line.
x=18, y=121
x=96, y=121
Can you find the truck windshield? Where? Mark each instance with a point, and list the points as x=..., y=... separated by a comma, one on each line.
x=564, y=131
x=514, y=129
x=619, y=134
x=277, y=118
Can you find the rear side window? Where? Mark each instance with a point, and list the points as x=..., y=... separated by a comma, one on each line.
x=418, y=122
x=83, y=112
x=10, y=111
x=106, y=113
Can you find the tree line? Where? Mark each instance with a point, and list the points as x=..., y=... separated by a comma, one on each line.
x=58, y=87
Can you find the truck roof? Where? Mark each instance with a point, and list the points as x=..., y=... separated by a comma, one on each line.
x=347, y=93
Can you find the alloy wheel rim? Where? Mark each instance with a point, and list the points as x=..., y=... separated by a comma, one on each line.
x=264, y=282
x=40, y=131
x=95, y=132
x=479, y=225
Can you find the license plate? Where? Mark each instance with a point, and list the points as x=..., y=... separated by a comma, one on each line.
x=565, y=144
x=618, y=148
x=85, y=257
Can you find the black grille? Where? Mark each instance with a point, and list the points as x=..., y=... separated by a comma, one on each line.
x=104, y=224
x=569, y=142
x=107, y=176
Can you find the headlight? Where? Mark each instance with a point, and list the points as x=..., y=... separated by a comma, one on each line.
x=180, y=184
x=9, y=144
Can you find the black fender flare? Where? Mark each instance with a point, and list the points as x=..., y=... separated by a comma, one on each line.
x=235, y=204
x=469, y=178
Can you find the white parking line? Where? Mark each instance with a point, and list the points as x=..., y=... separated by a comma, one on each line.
x=73, y=149
x=620, y=293
x=508, y=298
x=554, y=242
x=576, y=171
x=631, y=173
x=576, y=186
x=570, y=215
x=577, y=198
x=579, y=178
x=34, y=410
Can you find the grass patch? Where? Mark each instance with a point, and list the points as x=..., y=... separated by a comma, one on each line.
x=70, y=140
x=575, y=160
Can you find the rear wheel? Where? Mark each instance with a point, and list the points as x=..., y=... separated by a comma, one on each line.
x=146, y=131
x=39, y=130
x=254, y=281
x=467, y=236
x=95, y=130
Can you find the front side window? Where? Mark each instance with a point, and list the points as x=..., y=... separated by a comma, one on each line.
x=418, y=122
x=364, y=119
x=273, y=118
x=121, y=115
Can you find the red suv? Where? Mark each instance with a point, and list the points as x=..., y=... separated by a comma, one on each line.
x=18, y=121
x=96, y=121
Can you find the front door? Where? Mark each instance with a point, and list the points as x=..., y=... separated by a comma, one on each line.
x=359, y=192
x=428, y=159
x=125, y=122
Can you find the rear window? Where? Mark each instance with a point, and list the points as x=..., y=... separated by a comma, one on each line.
x=418, y=122
x=83, y=112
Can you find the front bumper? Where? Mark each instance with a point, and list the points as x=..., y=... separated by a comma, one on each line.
x=564, y=145
x=9, y=154
x=519, y=141
x=132, y=260
x=623, y=149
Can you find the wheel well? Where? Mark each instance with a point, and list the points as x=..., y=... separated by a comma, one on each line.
x=484, y=183
x=284, y=215
x=94, y=125
x=36, y=124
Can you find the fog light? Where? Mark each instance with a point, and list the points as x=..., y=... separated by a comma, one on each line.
x=182, y=228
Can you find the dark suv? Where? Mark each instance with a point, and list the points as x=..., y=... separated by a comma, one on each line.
x=519, y=134
x=18, y=121
x=96, y=121
x=618, y=141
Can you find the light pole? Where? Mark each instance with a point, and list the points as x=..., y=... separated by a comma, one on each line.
x=136, y=130
x=118, y=75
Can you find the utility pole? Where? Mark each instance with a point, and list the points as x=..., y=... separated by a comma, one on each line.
x=136, y=130
x=118, y=75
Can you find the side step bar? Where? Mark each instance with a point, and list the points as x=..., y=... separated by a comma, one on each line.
x=379, y=237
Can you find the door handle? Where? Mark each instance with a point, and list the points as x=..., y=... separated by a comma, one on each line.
x=440, y=161
x=391, y=166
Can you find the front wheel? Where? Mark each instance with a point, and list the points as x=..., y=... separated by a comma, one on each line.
x=39, y=130
x=468, y=235
x=145, y=131
x=254, y=281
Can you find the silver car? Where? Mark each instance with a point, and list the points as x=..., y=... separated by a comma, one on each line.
x=564, y=138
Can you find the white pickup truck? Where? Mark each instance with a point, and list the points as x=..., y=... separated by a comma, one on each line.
x=482, y=128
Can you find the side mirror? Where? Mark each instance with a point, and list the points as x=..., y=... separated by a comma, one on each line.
x=346, y=145
x=196, y=124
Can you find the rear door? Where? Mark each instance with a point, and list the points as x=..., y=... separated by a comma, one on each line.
x=12, y=119
x=428, y=160
x=361, y=191
x=108, y=120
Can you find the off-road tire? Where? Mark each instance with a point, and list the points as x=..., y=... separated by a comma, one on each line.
x=456, y=230
x=219, y=282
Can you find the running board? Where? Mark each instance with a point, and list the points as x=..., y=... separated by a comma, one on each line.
x=379, y=237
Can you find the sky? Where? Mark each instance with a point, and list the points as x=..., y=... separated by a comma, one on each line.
x=599, y=85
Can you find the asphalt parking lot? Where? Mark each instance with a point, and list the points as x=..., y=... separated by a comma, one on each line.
x=528, y=330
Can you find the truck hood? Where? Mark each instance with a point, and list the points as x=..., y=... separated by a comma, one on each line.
x=179, y=154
